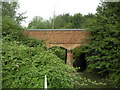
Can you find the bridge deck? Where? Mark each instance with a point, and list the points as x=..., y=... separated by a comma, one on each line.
x=55, y=29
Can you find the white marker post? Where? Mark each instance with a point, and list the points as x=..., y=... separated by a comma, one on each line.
x=45, y=83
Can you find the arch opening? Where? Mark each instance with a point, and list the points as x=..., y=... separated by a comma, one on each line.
x=79, y=59
x=54, y=45
x=59, y=52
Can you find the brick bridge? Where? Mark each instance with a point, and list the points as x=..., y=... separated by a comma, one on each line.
x=66, y=38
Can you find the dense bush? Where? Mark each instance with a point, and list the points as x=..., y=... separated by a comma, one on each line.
x=25, y=67
x=10, y=28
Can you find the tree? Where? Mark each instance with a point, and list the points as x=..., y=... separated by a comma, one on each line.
x=103, y=49
x=11, y=19
x=77, y=21
x=62, y=21
x=39, y=23
x=9, y=9
x=88, y=20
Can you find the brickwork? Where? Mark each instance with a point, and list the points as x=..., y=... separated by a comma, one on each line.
x=69, y=58
x=65, y=39
x=68, y=39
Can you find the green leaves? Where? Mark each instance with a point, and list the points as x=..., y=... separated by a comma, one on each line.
x=39, y=23
x=9, y=9
x=102, y=50
x=64, y=21
x=10, y=28
x=25, y=67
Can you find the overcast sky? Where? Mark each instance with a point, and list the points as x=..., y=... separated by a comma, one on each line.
x=45, y=8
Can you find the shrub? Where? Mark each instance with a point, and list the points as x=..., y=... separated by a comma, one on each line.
x=25, y=67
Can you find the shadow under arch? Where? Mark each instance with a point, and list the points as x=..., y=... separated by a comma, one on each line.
x=56, y=45
x=79, y=59
x=59, y=52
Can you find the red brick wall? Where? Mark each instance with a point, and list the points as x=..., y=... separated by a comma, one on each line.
x=66, y=39
x=69, y=58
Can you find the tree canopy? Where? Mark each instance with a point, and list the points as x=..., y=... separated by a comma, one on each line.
x=9, y=9
x=103, y=49
x=63, y=21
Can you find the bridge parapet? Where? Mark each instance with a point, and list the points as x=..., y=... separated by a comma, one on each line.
x=59, y=36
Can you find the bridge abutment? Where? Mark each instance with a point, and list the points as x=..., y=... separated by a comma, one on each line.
x=69, y=58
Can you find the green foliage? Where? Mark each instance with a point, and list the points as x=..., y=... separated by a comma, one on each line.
x=25, y=67
x=62, y=21
x=10, y=28
x=77, y=20
x=9, y=9
x=103, y=50
x=65, y=21
x=39, y=23
x=25, y=62
x=13, y=31
x=60, y=52
x=89, y=20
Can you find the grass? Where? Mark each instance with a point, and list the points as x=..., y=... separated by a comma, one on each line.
x=92, y=81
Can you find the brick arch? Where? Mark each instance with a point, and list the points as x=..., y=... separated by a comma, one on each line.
x=66, y=38
x=77, y=47
x=53, y=45
x=65, y=46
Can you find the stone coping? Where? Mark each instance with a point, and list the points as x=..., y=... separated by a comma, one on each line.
x=55, y=29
